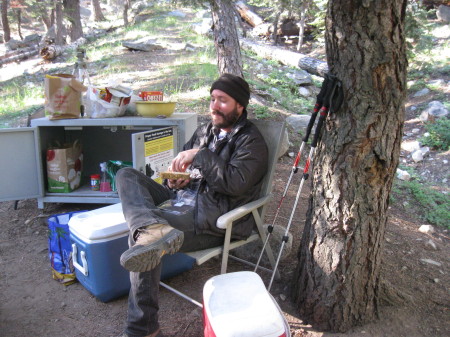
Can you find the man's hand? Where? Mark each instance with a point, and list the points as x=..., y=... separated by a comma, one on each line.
x=179, y=164
x=182, y=161
x=177, y=183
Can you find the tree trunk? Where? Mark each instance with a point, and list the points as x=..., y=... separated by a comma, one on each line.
x=226, y=40
x=72, y=13
x=19, y=23
x=337, y=279
x=301, y=34
x=126, y=6
x=5, y=22
x=59, y=40
x=96, y=9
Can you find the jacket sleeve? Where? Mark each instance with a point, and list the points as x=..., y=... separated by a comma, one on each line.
x=247, y=165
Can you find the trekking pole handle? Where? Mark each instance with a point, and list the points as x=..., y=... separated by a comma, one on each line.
x=319, y=102
x=323, y=115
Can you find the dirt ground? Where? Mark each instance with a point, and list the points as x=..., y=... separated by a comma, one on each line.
x=33, y=304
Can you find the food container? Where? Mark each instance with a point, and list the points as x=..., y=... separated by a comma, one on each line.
x=151, y=95
x=155, y=108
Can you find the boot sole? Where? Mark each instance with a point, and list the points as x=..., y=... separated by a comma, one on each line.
x=141, y=258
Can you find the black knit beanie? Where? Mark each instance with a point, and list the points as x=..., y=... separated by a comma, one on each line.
x=234, y=86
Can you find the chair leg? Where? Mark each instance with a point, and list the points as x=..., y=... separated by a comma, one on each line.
x=226, y=249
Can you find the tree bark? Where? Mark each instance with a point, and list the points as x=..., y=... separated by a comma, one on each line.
x=226, y=39
x=5, y=22
x=72, y=13
x=97, y=11
x=337, y=279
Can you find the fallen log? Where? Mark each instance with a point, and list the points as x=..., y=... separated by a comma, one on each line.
x=19, y=57
x=51, y=52
x=287, y=57
x=250, y=17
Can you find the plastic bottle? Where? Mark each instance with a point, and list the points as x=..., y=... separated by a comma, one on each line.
x=105, y=185
x=95, y=182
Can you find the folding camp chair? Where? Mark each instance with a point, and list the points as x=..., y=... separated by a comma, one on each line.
x=273, y=133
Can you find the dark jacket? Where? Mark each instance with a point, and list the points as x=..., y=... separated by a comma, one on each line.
x=231, y=175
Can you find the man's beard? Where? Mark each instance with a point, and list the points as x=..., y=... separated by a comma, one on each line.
x=228, y=120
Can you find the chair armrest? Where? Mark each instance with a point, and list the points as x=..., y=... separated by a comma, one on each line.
x=226, y=219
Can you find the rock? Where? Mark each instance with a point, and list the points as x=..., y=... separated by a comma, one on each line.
x=443, y=13
x=144, y=44
x=415, y=131
x=428, y=229
x=429, y=261
x=410, y=145
x=423, y=92
x=305, y=92
x=430, y=244
x=299, y=122
x=300, y=77
x=283, y=297
x=177, y=13
x=417, y=156
x=425, y=150
x=204, y=27
x=435, y=110
x=403, y=175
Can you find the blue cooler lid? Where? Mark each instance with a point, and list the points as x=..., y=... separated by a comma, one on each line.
x=101, y=224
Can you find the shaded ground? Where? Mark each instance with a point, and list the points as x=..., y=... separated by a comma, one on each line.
x=415, y=300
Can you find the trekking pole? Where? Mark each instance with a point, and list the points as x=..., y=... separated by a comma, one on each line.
x=323, y=114
x=317, y=107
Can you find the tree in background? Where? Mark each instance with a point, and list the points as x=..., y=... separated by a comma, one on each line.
x=97, y=11
x=72, y=14
x=226, y=40
x=5, y=22
x=337, y=280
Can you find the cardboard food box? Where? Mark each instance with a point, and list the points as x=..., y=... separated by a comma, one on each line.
x=98, y=239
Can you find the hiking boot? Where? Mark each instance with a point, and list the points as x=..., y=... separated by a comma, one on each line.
x=152, y=243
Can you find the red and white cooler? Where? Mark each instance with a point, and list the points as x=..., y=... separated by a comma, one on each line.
x=238, y=305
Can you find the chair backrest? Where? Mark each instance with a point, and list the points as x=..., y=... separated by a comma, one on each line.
x=273, y=133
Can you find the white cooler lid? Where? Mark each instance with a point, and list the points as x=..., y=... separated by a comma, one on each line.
x=101, y=223
x=238, y=304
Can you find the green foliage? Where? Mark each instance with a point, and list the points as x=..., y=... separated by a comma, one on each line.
x=436, y=206
x=430, y=204
x=439, y=137
x=261, y=111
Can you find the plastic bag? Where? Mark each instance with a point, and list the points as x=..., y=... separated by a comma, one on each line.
x=107, y=102
x=183, y=202
x=112, y=166
x=60, y=248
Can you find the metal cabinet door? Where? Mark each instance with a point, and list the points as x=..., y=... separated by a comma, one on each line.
x=20, y=167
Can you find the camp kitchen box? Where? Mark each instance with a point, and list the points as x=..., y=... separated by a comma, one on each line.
x=98, y=238
x=238, y=305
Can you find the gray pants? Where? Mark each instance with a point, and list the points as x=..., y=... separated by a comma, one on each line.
x=140, y=196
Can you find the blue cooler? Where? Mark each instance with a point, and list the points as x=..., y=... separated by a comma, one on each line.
x=98, y=239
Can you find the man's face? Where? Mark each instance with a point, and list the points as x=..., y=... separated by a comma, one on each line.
x=224, y=110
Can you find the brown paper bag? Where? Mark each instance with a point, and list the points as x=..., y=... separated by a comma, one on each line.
x=63, y=96
x=64, y=167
